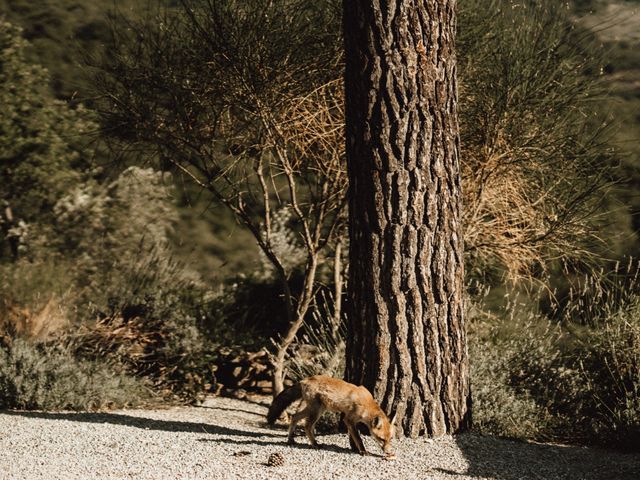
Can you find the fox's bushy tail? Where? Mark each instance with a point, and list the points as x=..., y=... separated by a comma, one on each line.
x=282, y=401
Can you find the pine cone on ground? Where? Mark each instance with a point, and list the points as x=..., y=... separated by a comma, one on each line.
x=275, y=460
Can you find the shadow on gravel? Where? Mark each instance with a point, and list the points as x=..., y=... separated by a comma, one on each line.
x=139, y=422
x=259, y=414
x=502, y=459
x=279, y=443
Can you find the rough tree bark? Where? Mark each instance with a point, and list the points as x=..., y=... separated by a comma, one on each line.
x=406, y=339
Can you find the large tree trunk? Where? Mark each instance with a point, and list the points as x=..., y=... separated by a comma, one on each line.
x=406, y=339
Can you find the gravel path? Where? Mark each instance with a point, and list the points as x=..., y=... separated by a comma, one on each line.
x=228, y=438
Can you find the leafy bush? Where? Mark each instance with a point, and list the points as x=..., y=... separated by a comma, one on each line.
x=611, y=367
x=108, y=265
x=499, y=408
x=155, y=334
x=110, y=226
x=46, y=376
x=558, y=379
x=590, y=374
x=146, y=320
x=150, y=320
x=148, y=306
x=41, y=139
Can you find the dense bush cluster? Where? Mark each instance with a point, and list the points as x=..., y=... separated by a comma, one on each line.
x=37, y=375
x=94, y=308
x=573, y=378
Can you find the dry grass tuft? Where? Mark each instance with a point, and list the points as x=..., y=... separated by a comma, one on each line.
x=37, y=324
x=129, y=340
x=313, y=126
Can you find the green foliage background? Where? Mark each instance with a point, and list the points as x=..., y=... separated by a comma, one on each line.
x=42, y=146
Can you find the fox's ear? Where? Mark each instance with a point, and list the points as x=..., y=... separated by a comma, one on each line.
x=393, y=419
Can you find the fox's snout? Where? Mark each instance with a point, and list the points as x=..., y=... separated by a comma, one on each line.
x=386, y=447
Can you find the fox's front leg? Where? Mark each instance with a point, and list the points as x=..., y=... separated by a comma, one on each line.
x=354, y=438
x=352, y=444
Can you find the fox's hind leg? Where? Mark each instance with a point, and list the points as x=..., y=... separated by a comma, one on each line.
x=294, y=421
x=315, y=410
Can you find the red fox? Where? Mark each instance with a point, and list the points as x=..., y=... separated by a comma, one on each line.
x=320, y=393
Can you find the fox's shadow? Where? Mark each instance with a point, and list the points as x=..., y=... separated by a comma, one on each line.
x=280, y=443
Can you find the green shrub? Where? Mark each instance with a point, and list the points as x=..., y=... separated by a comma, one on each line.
x=150, y=321
x=108, y=263
x=590, y=385
x=49, y=377
x=498, y=335
x=111, y=227
x=538, y=378
x=500, y=408
x=610, y=364
x=41, y=139
x=137, y=305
